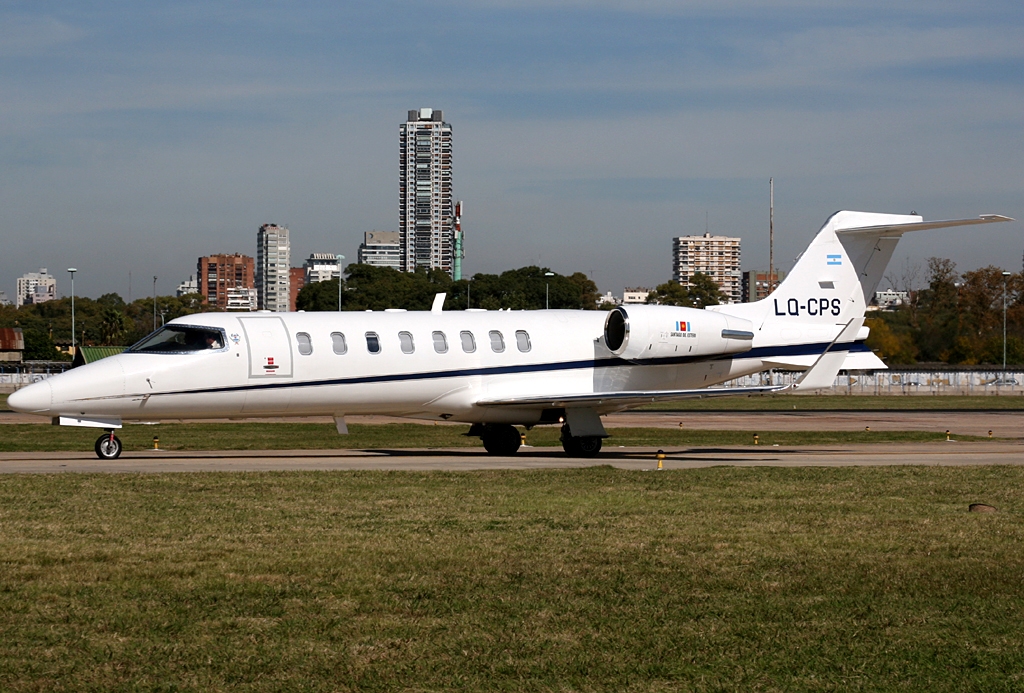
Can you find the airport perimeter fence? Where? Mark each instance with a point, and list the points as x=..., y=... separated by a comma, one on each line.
x=905, y=382
x=14, y=376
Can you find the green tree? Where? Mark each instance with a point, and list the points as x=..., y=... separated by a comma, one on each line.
x=938, y=312
x=670, y=294
x=892, y=347
x=318, y=296
x=115, y=326
x=704, y=291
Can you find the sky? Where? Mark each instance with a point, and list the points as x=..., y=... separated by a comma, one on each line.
x=136, y=137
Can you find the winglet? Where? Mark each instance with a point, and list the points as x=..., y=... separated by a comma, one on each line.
x=438, y=303
x=823, y=372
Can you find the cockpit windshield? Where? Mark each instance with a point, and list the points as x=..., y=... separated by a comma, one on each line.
x=180, y=338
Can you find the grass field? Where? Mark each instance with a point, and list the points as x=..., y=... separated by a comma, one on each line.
x=311, y=436
x=858, y=579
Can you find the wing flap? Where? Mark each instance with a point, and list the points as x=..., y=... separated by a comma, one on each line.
x=625, y=398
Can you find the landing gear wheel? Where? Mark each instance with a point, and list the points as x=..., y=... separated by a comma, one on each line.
x=108, y=446
x=501, y=440
x=584, y=446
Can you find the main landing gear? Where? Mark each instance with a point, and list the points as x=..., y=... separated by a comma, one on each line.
x=108, y=446
x=503, y=440
x=580, y=446
x=500, y=440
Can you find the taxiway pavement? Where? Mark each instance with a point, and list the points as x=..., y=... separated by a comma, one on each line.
x=879, y=454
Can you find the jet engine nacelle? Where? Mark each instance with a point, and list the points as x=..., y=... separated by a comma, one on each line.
x=642, y=332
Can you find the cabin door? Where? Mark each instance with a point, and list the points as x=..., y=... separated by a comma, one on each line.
x=270, y=352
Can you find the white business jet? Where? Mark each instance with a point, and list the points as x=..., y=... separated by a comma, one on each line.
x=492, y=369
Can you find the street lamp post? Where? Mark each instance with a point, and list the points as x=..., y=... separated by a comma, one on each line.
x=154, y=304
x=1005, y=275
x=72, y=270
x=547, y=290
x=339, y=258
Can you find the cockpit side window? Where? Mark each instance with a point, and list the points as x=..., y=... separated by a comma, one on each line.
x=177, y=339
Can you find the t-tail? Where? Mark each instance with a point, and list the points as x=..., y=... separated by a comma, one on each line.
x=833, y=281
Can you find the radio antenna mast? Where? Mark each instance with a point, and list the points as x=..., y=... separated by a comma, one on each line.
x=771, y=235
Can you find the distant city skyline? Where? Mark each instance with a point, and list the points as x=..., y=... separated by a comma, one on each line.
x=136, y=138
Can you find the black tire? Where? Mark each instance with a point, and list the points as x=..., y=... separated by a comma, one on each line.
x=108, y=447
x=585, y=446
x=501, y=440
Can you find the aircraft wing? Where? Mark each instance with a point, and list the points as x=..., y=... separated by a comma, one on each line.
x=626, y=397
x=821, y=374
x=924, y=225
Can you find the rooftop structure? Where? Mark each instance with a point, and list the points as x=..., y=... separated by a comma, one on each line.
x=189, y=286
x=321, y=267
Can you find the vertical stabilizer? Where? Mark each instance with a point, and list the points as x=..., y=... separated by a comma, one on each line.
x=835, y=278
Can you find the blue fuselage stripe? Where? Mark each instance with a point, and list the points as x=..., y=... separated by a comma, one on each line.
x=613, y=362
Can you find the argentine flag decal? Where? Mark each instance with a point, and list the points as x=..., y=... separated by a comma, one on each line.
x=834, y=259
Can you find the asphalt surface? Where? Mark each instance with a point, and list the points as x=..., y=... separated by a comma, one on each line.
x=944, y=454
x=1003, y=424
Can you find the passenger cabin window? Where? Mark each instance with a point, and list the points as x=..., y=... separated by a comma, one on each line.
x=372, y=343
x=497, y=342
x=522, y=340
x=338, y=342
x=440, y=343
x=180, y=339
x=405, y=338
x=305, y=344
x=468, y=343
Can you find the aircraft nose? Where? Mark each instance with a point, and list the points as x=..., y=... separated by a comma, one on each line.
x=37, y=397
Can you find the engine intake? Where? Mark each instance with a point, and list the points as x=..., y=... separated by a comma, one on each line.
x=643, y=332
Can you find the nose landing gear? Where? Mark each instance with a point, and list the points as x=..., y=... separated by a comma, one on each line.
x=108, y=446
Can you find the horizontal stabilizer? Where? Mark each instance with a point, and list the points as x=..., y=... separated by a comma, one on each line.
x=855, y=361
x=923, y=225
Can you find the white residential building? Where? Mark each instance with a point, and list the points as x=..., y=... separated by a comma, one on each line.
x=189, y=286
x=36, y=287
x=273, y=268
x=426, y=203
x=715, y=256
x=381, y=249
x=321, y=267
x=240, y=298
x=636, y=295
x=890, y=299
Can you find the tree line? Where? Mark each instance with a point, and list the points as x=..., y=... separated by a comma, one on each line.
x=105, y=321
x=956, y=319
x=109, y=321
x=379, y=288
